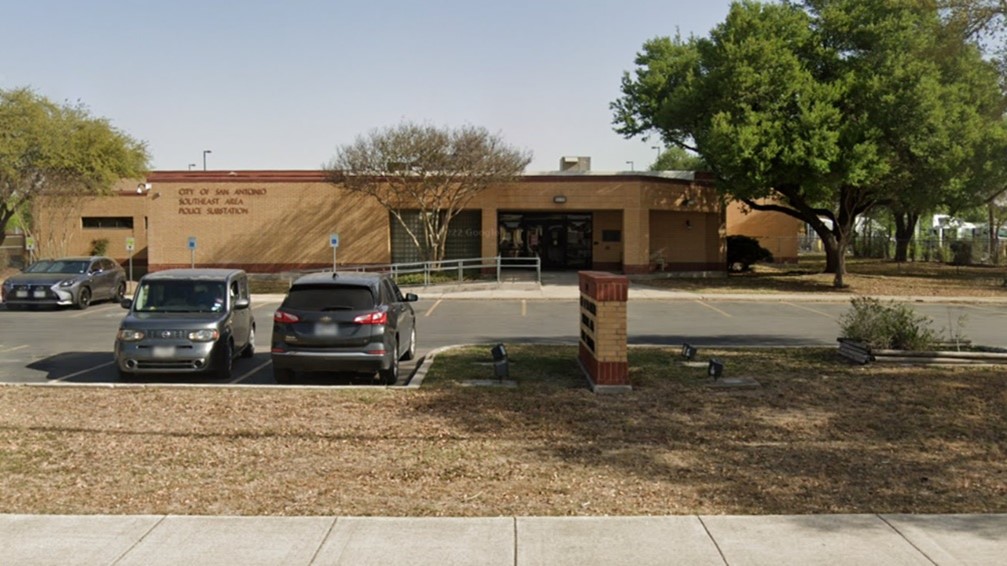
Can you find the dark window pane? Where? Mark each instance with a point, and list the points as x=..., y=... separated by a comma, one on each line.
x=331, y=297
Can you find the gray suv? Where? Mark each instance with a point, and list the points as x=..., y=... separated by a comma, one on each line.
x=343, y=322
x=185, y=321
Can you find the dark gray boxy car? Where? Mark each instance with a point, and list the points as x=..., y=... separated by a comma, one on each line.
x=343, y=322
x=73, y=281
x=186, y=321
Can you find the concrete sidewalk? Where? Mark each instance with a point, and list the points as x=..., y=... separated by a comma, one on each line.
x=717, y=540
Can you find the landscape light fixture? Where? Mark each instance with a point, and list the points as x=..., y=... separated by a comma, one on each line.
x=142, y=188
x=205, y=151
x=501, y=365
x=688, y=351
x=559, y=199
x=686, y=201
x=715, y=369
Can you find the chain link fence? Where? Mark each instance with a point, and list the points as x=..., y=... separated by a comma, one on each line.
x=956, y=251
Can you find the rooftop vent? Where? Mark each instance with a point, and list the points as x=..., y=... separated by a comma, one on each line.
x=575, y=164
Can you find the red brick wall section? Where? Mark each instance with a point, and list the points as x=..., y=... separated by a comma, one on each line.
x=603, y=286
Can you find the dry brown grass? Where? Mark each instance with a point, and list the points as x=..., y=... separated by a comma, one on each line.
x=864, y=277
x=818, y=436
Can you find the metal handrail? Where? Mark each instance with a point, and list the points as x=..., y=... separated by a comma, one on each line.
x=427, y=268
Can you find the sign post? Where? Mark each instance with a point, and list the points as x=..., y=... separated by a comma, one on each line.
x=334, y=242
x=29, y=244
x=192, y=251
x=130, y=245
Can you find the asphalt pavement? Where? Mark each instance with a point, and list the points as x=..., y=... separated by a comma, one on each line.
x=882, y=539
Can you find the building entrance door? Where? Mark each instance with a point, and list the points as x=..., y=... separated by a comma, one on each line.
x=561, y=241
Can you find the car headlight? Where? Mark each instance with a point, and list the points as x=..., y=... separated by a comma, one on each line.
x=130, y=335
x=67, y=283
x=203, y=335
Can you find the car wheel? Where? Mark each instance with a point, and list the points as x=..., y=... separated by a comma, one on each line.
x=390, y=376
x=283, y=376
x=249, y=349
x=120, y=292
x=124, y=375
x=13, y=307
x=411, y=352
x=84, y=298
x=225, y=360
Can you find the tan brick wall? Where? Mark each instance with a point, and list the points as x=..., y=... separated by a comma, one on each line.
x=60, y=232
x=274, y=220
x=776, y=232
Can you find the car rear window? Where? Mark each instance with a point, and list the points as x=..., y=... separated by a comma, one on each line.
x=329, y=297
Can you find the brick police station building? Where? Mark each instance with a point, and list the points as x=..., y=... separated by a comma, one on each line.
x=273, y=221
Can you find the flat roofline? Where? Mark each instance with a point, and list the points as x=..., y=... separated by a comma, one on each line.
x=309, y=176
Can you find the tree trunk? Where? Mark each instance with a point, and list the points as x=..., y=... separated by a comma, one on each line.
x=905, y=226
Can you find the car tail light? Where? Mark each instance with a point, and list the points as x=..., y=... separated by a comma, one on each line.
x=376, y=317
x=285, y=317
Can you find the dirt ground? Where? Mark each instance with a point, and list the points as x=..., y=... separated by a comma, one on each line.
x=818, y=436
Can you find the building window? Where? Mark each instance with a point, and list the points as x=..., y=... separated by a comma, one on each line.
x=107, y=222
x=464, y=236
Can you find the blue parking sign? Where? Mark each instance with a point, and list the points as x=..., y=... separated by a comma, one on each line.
x=334, y=240
x=192, y=242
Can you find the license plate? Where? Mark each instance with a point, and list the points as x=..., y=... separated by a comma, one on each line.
x=325, y=329
x=39, y=294
x=21, y=294
x=163, y=351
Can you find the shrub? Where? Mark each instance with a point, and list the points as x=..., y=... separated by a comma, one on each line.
x=99, y=246
x=887, y=325
x=961, y=252
x=743, y=251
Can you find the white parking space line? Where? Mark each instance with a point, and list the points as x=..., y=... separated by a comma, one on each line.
x=524, y=307
x=83, y=371
x=432, y=307
x=713, y=308
x=249, y=373
x=804, y=308
x=13, y=349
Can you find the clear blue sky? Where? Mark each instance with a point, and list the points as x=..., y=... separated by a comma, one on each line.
x=280, y=85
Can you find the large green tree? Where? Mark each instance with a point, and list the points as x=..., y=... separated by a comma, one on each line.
x=423, y=169
x=821, y=106
x=48, y=148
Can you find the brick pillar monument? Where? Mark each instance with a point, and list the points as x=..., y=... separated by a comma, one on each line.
x=602, y=353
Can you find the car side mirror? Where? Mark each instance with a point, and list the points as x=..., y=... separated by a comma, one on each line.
x=411, y=298
x=127, y=303
x=242, y=304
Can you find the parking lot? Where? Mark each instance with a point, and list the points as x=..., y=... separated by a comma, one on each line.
x=70, y=346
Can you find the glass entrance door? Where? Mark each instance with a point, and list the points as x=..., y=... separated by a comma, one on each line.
x=562, y=241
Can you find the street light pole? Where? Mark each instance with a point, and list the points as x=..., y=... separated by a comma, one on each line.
x=630, y=163
x=205, y=151
x=191, y=165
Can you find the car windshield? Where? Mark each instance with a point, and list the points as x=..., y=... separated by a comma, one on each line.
x=38, y=266
x=67, y=266
x=329, y=298
x=180, y=296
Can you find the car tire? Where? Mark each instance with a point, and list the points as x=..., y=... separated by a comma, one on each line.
x=84, y=298
x=13, y=307
x=390, y=376
x=249, y=350
x=120, y=292
x=125, y=375
x=283, y=376
x=225, y=360
x=411, y=352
